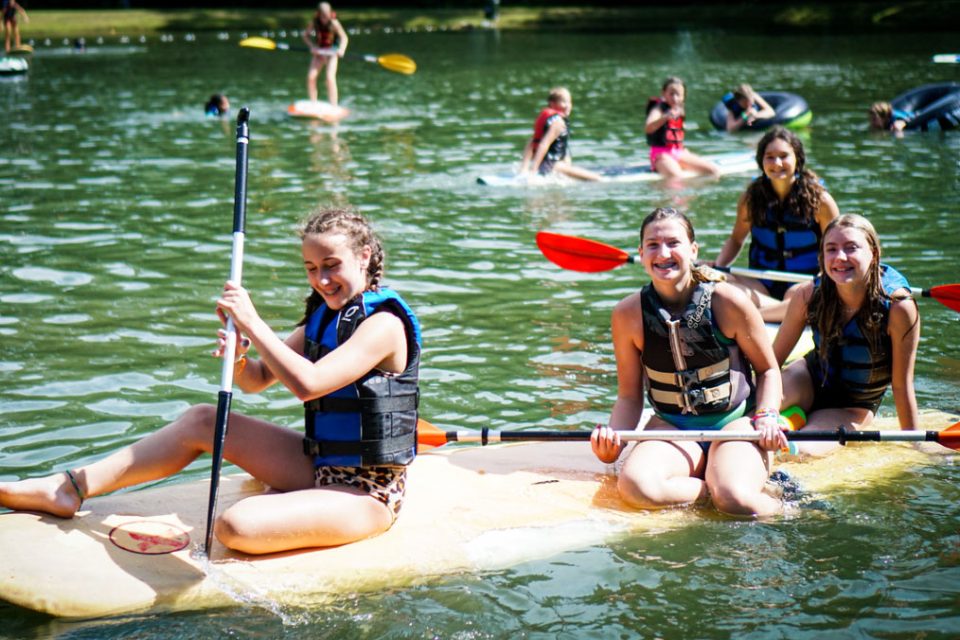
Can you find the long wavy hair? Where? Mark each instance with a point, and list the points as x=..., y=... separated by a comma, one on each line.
x=825, y=310
x=700, y=273
x=803, y=200
x=359, y=234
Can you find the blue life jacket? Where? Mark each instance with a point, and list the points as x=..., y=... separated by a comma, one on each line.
x=373, y=421
x=859, y=369
x=690, y=366
x=784, y=241
x=733, y=105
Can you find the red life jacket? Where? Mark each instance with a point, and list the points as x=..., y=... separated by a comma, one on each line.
x=540, y=126
x=323, y=33
x=670, y=134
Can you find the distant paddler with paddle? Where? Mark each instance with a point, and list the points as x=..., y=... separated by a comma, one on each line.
x=866, y=328
x=784, y=212
x=694, y=345
x=327, y=40
x=353, y=360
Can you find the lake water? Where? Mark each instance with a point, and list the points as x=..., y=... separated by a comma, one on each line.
x=116, y=199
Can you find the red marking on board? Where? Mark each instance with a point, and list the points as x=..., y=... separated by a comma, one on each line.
x=149, y=537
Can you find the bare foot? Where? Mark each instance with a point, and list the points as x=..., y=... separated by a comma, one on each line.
x=52, y=494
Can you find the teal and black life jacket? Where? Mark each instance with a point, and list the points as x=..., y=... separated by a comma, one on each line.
x=691, y=367
x=373, y=421
x=857, y=368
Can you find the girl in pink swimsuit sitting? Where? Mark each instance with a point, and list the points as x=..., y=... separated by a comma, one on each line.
x=664, y=129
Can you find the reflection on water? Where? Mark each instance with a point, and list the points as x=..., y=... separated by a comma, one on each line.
x=116, y=199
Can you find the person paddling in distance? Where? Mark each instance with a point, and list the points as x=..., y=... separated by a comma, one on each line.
x=691, y=342
x=745, y=106
x=327, y=40
x=549, y=149
x=353, y=360
x=665, y=134
x=866, y=328
x=784, y=212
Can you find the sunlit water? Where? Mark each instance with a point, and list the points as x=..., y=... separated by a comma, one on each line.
x=116, y=199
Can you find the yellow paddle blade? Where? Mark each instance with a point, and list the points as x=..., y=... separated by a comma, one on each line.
x=397, y=62
x=259, y=43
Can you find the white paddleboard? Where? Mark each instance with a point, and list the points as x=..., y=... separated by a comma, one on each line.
x=318, y=110
x=729, y=163
x=468, y=508
x=947, y=58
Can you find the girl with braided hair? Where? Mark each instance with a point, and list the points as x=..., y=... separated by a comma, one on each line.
x=784, y=212
x=866, y=329
x=699, y=352
x=353, y=360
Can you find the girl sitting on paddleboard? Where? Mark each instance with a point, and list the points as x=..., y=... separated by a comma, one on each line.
x=866, y=328
x=353, y=360
x=695, y=344
x=665, y=134
x=327, y=40
x=549, y=148
x=784, y=212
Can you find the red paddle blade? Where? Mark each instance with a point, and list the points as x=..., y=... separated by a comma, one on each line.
x=429, y=436
x=950, y=437
x=947, y=294
x=580, y=254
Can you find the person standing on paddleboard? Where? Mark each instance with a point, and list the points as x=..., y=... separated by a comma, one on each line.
x=694, y=344
x=784, y=212
x=354, y=362
x=549, y=149
x=866, y=329
x=11, y=30
x=327, y=40
x=665, y=134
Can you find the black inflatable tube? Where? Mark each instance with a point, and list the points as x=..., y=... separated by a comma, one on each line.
x=789, y=107
x=935, y=107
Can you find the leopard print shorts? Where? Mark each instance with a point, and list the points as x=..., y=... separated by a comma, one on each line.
x=386, y=484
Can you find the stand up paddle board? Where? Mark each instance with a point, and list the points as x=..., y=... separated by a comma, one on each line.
x=729, y=163
x=22, y=50
x=318, y=110
x=947, y=58
x=13, y=66
x=468, y=508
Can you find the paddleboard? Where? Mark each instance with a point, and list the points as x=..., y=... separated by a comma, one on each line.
x=947, y=58
x=318, y=110
x=468, y=508
x=729, y=163
x=22, y=50
x=13, y=66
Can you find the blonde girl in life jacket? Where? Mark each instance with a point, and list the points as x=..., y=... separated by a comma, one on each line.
x=328, y=43
x=548, y=150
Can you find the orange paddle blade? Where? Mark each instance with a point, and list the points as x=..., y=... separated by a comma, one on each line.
x=429, y=436
x=950, y=437
x=946, y=294
x=580, y=254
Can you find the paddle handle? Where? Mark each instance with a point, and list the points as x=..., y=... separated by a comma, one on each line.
x=841, y=435
x=225, y=396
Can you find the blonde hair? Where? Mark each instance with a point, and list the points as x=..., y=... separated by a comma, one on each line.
x=558, y=94
x=882, y=111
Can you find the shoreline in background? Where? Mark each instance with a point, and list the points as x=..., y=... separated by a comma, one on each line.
x=799, y=18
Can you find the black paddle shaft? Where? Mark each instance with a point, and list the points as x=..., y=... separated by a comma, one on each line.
x=226, y=393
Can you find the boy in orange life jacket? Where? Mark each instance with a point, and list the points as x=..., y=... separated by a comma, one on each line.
x=549, y=148
x=328, y=43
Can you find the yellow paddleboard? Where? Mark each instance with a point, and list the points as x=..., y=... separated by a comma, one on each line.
x=467, y=509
